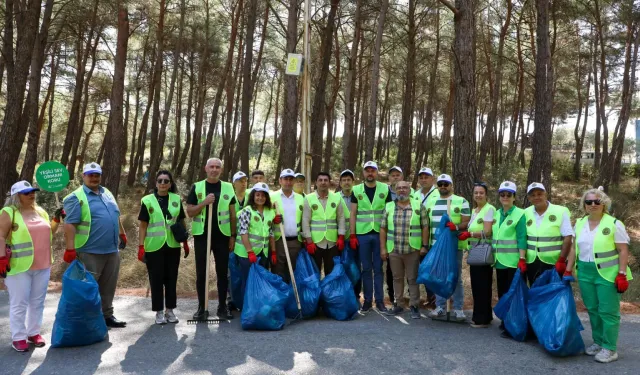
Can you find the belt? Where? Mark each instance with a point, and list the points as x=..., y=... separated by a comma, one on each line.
x=292, y=238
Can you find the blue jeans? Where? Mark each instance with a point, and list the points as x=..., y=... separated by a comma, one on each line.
x=458, y=294
x=370, y=260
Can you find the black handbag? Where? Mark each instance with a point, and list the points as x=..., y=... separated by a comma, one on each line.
x=179, y=232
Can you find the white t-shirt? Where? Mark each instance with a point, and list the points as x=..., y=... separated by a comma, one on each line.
x=488, y=216
x=585, y=244
x=289, y=215
x=565, y=226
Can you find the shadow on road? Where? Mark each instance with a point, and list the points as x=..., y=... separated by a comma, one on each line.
x=159, y=346
x=87, y=359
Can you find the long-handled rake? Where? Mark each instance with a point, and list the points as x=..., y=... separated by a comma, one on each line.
x=293, y=279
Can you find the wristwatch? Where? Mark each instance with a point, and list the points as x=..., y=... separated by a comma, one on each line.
x=425, y=246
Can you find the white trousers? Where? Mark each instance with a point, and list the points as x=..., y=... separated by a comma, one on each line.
x=27, y=291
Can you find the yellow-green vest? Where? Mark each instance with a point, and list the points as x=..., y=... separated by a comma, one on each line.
x=505, y=239
x=84, y=227
x=21, y=243
x=369, y=214
x=276, y=198
x=434, y=194
x=159, y=229
x=604, y=247
x=477, y=225
x=224, y=216
x=455, y=216
x=324, y=223
x=346, y=211
x=258, y=233
x=415, y=227
x=244, y=202
x=545, y=242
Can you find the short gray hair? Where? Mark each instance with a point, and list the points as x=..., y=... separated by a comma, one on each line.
x=604, y=198
x=215, y=159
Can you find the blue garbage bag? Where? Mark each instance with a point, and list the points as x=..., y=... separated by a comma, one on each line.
x=438, y=271
x=512, y=308
x=235, y=274
x=553, y=316
x=307, y=279
x=350, y=266
x=338, y=299
x=79, y=320
x=265, y=297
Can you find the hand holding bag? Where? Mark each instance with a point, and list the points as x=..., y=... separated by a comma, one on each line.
x=481, y=254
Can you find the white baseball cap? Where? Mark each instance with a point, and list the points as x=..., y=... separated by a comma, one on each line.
x=287, y=173
x=23, y=187
x=238, y=176
x=261, y=186
x=445, y=177
x=508, y=186
x=426, y=171
x=395, y=168
x=370, y=164
x=298, y=175
x=92, y=168
x=535, y=185
x=347, y=172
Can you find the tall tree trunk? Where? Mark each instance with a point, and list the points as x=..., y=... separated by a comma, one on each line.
x=577, y=134
x=187, y=143
x=266, y=118
x=331, y=106
x=55, y=63
x=348, y=138
x=178, y=119
x=406, y=124
x=290, y=114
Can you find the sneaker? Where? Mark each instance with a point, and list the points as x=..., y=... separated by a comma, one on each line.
x=606, y=356
x=460, y=315
x=20, y=346
x=415, y=313
x=438, y=312
x=160, y=319
x=396, y=310
x=36, y=340
x=170, y=316
x=381, y=307
x=593, y=349
x=366, y=307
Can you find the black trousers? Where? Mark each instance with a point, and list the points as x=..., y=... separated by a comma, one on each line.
x=390, y=291
x=504, y=277
x=162, y=266
x=324, y=257
x=535, y=269
x=481, y=288
x=220, y=250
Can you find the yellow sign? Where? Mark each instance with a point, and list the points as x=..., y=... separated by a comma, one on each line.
x=294, y=64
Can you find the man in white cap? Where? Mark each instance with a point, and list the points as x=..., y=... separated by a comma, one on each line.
x=367, y=206
x=239, y=182
x=395, y=175
x=549, y=233
x=426, y=195
x=459, y=215
x=289, y=206
x=347, y=178
x=92, y=230
x=298, y=185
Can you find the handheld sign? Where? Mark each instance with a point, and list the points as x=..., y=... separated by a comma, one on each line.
x=52, y=177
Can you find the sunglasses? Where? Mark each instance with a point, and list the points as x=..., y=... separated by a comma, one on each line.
x=506, y=195
x=163, y=181
x=480, y=184
x=592, y=202
x=443, y=184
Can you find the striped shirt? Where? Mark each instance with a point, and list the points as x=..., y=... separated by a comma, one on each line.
x=438, y=208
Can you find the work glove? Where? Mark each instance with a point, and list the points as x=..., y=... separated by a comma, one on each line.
x=69, y=255
x=561, y=265
x=567, y=277
x=353, y=242
x=340, y=242
x=123, y=241
x=59, y=214
x=141, y=254
x=185, y=244
x=451, y=226
x=4, y=266
x=311, y=248
x=252, y=257
x=622, y=283
x=522, y=265
x=464, y=235
x=274, y=258
x=277, y=219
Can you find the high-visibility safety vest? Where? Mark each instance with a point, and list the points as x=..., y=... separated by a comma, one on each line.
x=606, y=256
x=415, y=228
x=477, y=225
x=324, y=223
x=433, y=194
x=505, y=239
x=258, y=232
x=244, y=202
x=159, y=228
x=369, y=213
x=545, y=241
x=84, y=227
x=21, y=243
x=224, y=216
x=276, y=198
x=346, y=210
x=455, y=216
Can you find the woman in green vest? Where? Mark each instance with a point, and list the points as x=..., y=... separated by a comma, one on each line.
x=25, y=262
x=600, y=257
x=158, y=248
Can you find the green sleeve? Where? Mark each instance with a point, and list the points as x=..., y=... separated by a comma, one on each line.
x=521, y=233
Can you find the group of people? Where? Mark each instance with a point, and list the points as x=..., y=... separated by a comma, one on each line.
x=374, y=221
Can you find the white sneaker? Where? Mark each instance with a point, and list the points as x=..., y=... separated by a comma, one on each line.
x=606, y=356
x=170, y=316
x=593, y=349
x=160, y=319
x=439, y=311
x=460, y=315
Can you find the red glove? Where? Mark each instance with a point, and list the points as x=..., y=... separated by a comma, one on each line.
x=252, y=257
x=59, y=214
x=4, y=266
x=622, y=283
x=353, y=242
x=568, y=277
x=123, y=241
x=451, y=226
x=69, y=255
x=185, y=244
x=340, y=242
x=311, y=248
x=141, y=253
x=277, y=219
x=522, y=265
x=464, y=235
x=274, y=258
x=561, y=265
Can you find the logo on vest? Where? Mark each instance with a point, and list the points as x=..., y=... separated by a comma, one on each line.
x=151, y=210
x=553, y=218
x=529, y=222
x=360, y=196
x=269, y=223
x=225, y=197
x=381, y=195
x=456, y=210
x=174, y=204
x=300, y=207
x=199, y=195
x=509, y=222
x=417, y=212
x=315, y=206
x=81, y=203
x=606, y=231
x=256, y=218
x=333, y=205
x=15, y=227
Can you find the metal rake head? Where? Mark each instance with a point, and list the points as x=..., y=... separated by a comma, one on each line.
x=205, y=321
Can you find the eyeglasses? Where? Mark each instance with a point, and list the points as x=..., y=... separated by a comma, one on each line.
x=592, y=202
x=163, y=181
x=443, y=184
x=506, y=195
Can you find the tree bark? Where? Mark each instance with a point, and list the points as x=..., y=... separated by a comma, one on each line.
x=348, y=138
x=288, y=143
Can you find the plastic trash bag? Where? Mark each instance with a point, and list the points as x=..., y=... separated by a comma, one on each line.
x=438, y=271
x=512, y=308
x=265, y=297
x=308, y=283
x=338, y=299
x=235, y=274
x=350, y=266
x=553, y=316
x=79, y=320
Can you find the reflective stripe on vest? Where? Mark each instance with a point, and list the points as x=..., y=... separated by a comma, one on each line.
x=415, y=230
x=455, y=215
x=477, y=225
x=505, y=238
x=158, y=229
x=276, y=198
x=545, y=242
x=369, y=213
x=21, y=243
x=258, y=232
x=324, y=224
x=223, y=215
x=84, y=227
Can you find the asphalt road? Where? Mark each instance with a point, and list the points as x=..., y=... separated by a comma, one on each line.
x=371, y=344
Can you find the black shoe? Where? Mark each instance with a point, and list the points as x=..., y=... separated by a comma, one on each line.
x=366, y=307
x=415, y=313
x=232, y=306
x=224, y=313
x=505, y=335
x=381, y=307
x=201, y=314
x=397, y=310
x=114, y=323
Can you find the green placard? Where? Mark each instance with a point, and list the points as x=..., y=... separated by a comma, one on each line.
x=52, y=176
